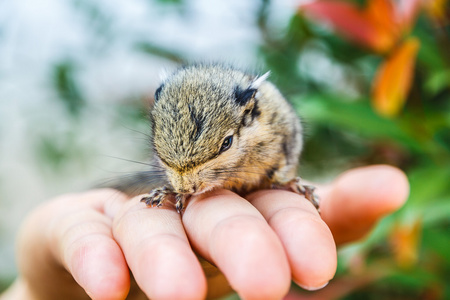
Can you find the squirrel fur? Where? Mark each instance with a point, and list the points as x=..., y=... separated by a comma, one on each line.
x=214, y=126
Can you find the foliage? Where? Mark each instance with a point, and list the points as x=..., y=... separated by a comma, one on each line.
x=407, y=255
x=371, y=87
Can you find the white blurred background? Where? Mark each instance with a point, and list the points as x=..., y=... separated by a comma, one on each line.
x=76, y=77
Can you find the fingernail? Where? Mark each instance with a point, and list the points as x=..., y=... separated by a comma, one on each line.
x=313, y=288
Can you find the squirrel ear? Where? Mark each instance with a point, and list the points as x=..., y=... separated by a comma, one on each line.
x=242, y=97
x=259, y=80
x=158, y=92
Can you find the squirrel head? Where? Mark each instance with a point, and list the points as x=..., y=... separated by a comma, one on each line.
x=202, y=117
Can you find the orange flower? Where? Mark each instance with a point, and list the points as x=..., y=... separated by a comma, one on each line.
x=405, y=243
x=393, y=80
x=381, y=26
x=436, y=9
x=378, y=26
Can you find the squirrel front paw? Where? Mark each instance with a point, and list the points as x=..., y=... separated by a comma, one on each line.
x=156, y=196
x=180, y=201
x=159, y=195
x=296, y=186
x=306, y=190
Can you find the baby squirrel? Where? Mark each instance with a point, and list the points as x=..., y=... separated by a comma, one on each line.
x=214, y=126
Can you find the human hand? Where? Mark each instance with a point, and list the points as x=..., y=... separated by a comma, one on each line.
x=85, y=244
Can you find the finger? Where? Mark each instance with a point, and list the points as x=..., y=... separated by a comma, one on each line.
x=81, y=240
x=308, y=242
x=158, y=252
x=357, y=199
x=229, y=232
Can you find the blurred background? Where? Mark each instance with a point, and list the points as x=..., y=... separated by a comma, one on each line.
x=371, y=80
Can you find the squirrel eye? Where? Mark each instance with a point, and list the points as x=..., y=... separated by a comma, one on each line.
x=226, y=143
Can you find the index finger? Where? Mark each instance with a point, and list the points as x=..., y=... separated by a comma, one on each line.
x=158, y=253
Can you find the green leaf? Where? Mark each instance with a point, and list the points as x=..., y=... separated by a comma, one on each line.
x=357, y=116
x=430, y=54
x=436, y=240
x=67, y=87
x=428, y=184
x=438, y=81
x=162, y=52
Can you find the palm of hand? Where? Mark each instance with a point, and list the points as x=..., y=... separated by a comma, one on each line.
x=86, y=244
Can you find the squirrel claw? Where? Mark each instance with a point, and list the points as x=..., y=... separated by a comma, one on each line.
x=147, y=200
x=152, y=201
x=306, y=190
x=158, y=200
x=179, y=206
x=156, y=197
x=180, y=200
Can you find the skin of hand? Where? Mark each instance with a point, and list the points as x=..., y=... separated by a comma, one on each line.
x=83, y=246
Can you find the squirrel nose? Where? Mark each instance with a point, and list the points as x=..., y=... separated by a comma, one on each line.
x=190, y=190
